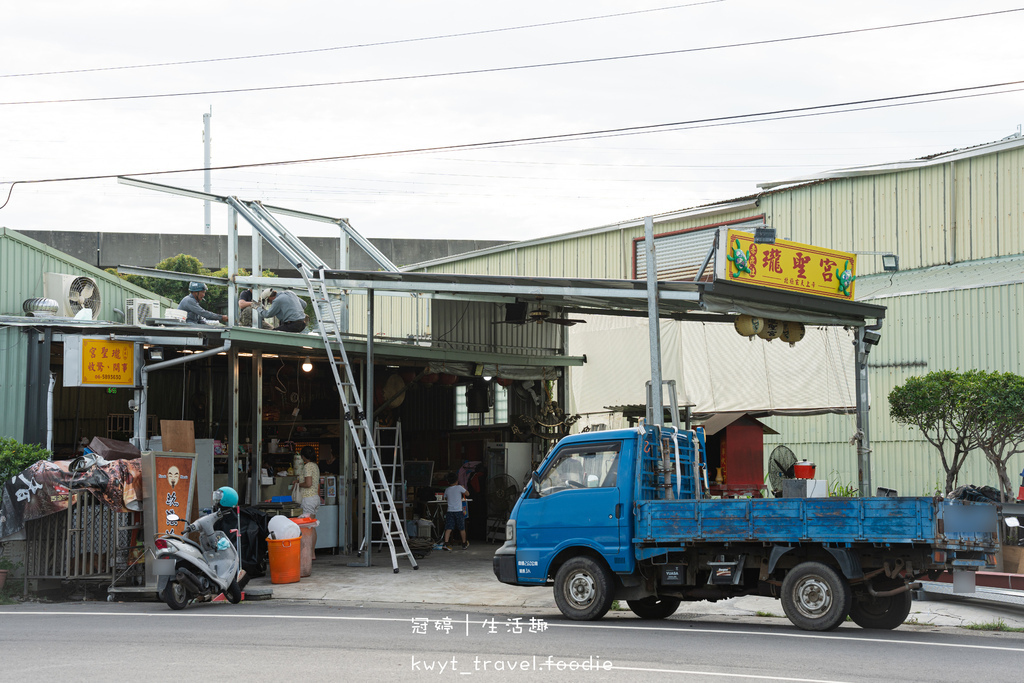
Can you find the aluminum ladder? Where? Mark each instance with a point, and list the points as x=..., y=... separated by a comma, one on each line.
x=389, y=444
x=312, y=268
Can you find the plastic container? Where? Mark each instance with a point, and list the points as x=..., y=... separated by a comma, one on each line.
x=804, y=470
x=283, y=528
x=307, y=550
x=424, y=528
x=284, y=559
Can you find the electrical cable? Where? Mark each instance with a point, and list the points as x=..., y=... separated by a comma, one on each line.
x=710, y=122
x=470, y=72
x=360, y=45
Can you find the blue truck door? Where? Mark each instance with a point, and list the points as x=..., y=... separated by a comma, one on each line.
x=578, y=503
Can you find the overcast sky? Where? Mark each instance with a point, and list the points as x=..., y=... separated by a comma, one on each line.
x=511, y=192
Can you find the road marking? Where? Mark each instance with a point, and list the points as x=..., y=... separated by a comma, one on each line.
x=681, y=629
x=726, y=675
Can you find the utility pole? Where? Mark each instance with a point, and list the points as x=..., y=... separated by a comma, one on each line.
x=206, y=170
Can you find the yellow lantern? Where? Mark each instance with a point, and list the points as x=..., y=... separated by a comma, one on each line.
x=792, y=332
x=771, y=329
x=748, y=325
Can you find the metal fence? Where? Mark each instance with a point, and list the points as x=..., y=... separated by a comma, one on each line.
x=88, y=541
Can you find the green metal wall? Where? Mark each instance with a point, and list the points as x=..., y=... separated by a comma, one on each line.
x=13, y=354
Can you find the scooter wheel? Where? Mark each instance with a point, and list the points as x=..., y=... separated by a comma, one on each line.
x=175, y=595
x=234, y=593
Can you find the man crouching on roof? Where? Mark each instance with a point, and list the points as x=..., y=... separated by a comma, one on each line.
x=287, y=307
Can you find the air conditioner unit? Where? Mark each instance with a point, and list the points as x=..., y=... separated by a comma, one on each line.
x=137, y=311
x=73, y=294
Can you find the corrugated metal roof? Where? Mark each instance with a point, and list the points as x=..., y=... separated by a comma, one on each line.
x=703, y=210
x=947, y=278
x=1003, y=145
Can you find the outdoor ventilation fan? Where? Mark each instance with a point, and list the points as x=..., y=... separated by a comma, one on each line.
x=77, y=296
x=780, y=468
x=516, y=314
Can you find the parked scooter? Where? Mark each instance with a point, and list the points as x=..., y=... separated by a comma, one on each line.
x=201, y=571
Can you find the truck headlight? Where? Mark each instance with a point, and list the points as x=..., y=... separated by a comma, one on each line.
x=510, y=531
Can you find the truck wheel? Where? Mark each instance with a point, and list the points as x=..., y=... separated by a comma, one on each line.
x=583, y=589
x=883, y=613
x=654, y=607
x=815, y=597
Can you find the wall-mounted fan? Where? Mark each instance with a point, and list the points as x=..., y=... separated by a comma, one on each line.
x=527, y=391
x=780, y=468
x=517, y=314
x=77, y=296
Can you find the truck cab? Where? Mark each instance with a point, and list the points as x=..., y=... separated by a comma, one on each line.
x=579, y=504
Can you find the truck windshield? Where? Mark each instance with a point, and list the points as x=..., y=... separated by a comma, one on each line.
x=582, y=467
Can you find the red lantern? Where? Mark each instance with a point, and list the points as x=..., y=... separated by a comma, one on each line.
x=503, y=381
x=447, y=380
x=407, y=376
x=429, y=378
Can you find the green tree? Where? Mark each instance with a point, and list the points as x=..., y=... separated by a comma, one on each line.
x=175, y=290
x=940, y=405
x=999, y=396
x=16, y=456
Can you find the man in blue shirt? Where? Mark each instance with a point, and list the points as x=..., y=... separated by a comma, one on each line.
x=288, y=308
x=192, y=306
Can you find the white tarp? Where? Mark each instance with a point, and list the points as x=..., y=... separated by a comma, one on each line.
x=715, y=368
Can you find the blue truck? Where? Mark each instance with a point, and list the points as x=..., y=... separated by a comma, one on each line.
x=622, y=515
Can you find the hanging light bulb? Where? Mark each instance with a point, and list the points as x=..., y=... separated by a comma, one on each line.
x=307, y=365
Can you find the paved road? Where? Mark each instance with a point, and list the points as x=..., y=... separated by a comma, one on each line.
x=285, y=641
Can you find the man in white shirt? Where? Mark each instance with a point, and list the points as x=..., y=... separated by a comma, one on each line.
x=455, y=518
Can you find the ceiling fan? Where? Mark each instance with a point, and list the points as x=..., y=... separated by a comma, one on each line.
x=516, y=314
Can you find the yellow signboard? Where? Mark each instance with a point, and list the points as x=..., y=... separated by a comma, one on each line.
x=108, y=363
x=791, y=266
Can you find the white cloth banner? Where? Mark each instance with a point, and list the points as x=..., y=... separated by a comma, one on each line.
x=715, y=368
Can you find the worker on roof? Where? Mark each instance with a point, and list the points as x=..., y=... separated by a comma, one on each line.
x=287, y=307
x=246, y=306
x=192, y=306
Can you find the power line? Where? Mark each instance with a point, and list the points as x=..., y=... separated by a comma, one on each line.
x=736, y=119
x=471, y=72
x=360, y=45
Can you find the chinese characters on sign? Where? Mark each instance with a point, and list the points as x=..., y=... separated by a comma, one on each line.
x=108, y=363
x=173, y=491
x=790, y=266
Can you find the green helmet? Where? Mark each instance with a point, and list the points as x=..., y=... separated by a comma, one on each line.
x=197, y=286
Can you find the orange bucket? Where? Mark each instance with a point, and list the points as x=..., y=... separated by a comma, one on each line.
x=284, y=560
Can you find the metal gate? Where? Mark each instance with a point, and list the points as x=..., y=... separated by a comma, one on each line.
x=80, y=543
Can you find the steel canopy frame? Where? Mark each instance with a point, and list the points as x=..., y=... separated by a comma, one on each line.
x=717, y=298
x=373, y=252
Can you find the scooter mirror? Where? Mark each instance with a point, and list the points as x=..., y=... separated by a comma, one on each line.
x=171, y=517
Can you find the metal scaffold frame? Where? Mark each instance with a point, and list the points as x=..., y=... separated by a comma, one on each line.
x=312, y=269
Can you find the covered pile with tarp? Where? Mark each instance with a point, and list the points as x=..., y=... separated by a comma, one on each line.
x=45, y=487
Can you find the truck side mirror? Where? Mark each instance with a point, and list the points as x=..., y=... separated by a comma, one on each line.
x=535, y=481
